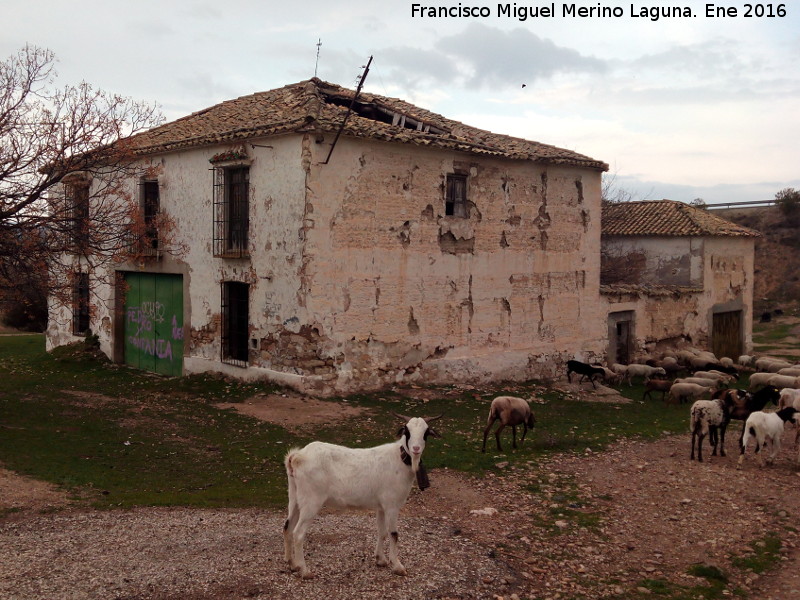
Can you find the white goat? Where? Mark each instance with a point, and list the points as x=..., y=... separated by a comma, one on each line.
x=378, y=478
x=765, y=426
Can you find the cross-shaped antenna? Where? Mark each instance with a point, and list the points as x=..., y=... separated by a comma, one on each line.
x=316, y=64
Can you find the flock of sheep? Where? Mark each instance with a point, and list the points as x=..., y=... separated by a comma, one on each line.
x=381, y=478
x=774, y=380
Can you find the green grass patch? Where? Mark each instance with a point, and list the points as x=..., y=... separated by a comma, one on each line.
x=764, y=554
x=123, y=437
x=714, y=587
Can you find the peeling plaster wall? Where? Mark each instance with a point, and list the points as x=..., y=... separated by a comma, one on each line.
x=402, y=292
x=668, y=260
x=358, y=279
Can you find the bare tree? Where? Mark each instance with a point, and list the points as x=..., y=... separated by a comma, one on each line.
x=66, y=162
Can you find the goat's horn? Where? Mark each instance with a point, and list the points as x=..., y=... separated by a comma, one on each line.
x=429, y=419
x=402, y=417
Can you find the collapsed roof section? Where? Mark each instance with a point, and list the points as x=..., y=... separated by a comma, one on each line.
x=318, y=106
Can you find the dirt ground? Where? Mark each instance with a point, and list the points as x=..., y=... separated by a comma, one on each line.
x=597, y=526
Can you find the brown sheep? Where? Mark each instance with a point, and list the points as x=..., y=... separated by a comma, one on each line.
x=511, y=411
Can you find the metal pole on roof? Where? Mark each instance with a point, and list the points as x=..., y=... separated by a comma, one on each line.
x=349, y=110
x=316, y=64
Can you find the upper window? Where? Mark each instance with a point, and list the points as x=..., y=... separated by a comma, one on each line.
x=147, y=240
x=77, y=217
x=231, y=211
x=455, y=202
x=151, y=205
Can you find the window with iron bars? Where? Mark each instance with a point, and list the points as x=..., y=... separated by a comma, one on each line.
x=151, y=205
x=77, y=217
x=235, y=323
x=455, y=201
x=231, y=211
x=80, y=304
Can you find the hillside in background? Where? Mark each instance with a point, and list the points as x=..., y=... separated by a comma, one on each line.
x=777, y=258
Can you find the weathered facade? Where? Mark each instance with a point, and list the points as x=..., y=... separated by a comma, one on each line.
x=413, y=249
x=675, y=274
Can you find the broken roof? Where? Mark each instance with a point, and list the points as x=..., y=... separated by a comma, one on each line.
x=317, y=106
x=667, y=218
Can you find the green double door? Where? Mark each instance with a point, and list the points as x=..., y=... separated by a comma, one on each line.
x=154, y=322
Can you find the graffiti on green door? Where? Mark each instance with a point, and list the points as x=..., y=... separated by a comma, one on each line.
x=154, y=322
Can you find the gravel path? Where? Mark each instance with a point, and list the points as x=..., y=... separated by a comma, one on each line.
x=596, y=525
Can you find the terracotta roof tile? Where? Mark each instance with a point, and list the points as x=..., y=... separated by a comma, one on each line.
x=667, y=218
x=315, y=105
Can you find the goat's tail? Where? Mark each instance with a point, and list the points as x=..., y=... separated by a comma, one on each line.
x=290, y=462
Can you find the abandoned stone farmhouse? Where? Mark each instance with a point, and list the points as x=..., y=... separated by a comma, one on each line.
x=674, y=273
x=336, y=245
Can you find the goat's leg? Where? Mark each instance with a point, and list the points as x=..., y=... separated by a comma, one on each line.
x=722, y=429
x=291, y=522
x=380, y=555
x=694, y=435
x=524, y=432
x=776, y=448
x=514, y=436
x=700, y=437
x=288, y=533
x=306, y=516
x=497, y=435
x=391, y=525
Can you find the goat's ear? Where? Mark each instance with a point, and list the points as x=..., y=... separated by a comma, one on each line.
x=402, y=431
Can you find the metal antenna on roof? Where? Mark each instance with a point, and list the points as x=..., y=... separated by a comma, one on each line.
x=349, y=109
x=316, y=64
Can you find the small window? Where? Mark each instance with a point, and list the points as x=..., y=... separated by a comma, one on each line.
x=455, y=202
x=231, y=211
x=77, y=217
x=151, y=205
x=235, y=323
x=80, y=304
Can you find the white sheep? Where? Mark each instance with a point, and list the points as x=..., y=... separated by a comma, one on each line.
x=746, y=360
x=708, y=417
x=768, y=364
x=789, y=397
x=637, y=370
x=794, y=371
x=759, y=379
x=784, y=381
x=714, y=376
x=378, y=478
x=686, y=391
x=765, y=426
x=705, y=382
x=510, y=410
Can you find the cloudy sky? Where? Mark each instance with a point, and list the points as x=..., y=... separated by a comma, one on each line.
x=679, y=107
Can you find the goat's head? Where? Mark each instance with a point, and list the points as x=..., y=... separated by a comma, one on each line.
x=414, y=434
